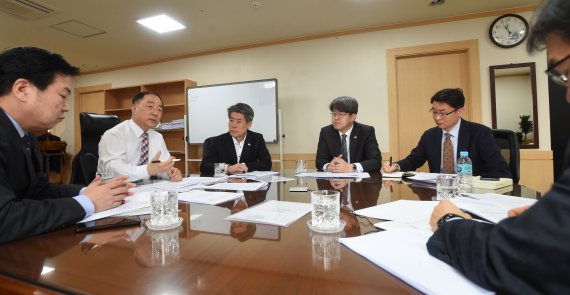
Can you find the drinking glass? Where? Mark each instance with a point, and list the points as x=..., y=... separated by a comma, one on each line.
x=164, y=209
x=325, y=213
x=219, y=169
x=447, y=187
x=301, y=166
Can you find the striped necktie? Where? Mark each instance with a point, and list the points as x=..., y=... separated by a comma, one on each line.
x=343, y=148
x=144, y=149
x=448, y=155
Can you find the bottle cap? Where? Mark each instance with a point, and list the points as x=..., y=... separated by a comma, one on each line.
x=464, y=154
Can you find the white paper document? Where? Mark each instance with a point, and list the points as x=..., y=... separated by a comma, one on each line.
x=254, y=174
x=425, y=177
x=138, y=201
x=492, y=207
x=413, y=213
x=273, y=212
x=209, y=198
x=404, y=254
x=247, y=186
x=334, y=175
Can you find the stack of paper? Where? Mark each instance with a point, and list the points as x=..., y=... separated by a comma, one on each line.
x=175, y=124
x=491, y=184
x=208, y=198
x=404, y=254
x=491, y=207
x=334, y=175
x=273, y=212
x=247, y=186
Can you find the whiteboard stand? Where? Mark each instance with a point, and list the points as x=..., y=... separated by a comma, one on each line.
x=281, y=138
x=185, y=146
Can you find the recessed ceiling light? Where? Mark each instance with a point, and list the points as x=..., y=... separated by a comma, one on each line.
x=161, y=23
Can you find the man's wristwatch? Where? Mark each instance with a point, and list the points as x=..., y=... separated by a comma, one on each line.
x=354, y=167
x=448, y=217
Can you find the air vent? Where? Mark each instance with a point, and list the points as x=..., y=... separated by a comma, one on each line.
x=26, y=9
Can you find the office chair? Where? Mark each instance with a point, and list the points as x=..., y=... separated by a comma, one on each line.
x=92, y=128
x=507, y=142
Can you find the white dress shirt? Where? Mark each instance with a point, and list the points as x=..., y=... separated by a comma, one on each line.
x=239, y=146
x=120, y=151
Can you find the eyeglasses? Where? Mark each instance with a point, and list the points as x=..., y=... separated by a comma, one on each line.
x=555, y=76
x=441, y=114
x=339, y=115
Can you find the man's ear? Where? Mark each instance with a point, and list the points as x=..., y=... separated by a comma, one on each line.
x=352, y=117
x=460, y=112
x=21, y=89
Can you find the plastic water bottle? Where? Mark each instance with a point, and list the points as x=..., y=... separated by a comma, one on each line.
x=465, y=172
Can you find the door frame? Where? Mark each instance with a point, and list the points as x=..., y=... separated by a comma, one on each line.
x=470, y=47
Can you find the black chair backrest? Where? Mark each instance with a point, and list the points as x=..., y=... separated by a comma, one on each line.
x=507, y=142
x=88, y=163
x=92, y=128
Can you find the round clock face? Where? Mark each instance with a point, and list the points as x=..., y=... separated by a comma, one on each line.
x=508, y=30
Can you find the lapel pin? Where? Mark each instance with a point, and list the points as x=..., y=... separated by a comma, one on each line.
x=248, y=144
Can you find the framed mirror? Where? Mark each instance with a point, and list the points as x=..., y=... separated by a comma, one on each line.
x=513, y=101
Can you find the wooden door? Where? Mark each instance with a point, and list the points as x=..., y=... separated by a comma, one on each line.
x=414, y=75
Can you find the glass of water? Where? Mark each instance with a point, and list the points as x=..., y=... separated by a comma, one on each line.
x=301, y=166
x=219, y=169
x=164, y=209
x=325, y=212
x=447, y=187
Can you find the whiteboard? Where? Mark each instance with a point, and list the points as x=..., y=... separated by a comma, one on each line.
x=207, y=108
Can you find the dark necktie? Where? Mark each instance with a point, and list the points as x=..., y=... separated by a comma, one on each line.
x=144, y=149
x=343, y=148
x=27, y=142
x=448, y=155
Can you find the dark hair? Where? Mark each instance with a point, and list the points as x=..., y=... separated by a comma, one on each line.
x=345, y=104
x=140, y=96
x=246, y=235
x=553, y=16
x=242, y=108
x=452, y=96
x=36, y=65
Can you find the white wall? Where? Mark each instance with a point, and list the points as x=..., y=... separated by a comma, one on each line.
x=514, y=99
x=312, y=73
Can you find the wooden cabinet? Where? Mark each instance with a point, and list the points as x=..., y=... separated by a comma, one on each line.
x=118, y=101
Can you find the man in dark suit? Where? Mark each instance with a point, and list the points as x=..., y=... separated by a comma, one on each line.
x=345, y=145
x=34, y=89
x=477, y=139
x=529, y=252
x=240, y=149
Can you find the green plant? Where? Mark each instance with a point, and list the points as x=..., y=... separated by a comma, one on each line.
x=519, y=137
x=525, y=126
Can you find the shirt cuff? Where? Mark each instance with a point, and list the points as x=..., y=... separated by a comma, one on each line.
x=359, y=168
x=325, y=167
x=86, y=203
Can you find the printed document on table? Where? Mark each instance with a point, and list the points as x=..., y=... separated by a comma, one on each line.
x=404, y=254
x=414, y=213
x=247, y=186
x=138, y=201
x=273, y=212
x=425, y=177
x=209, y=198
x=492, y=207
x=254, y=174
x=334, y=175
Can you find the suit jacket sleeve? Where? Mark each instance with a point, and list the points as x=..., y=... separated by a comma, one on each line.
x=529, y=254
x=324, y=155
x=371, y=157
x=493, y=161
x=47, y=207
x=263, y=158
x=417, y=157
x=209, y=157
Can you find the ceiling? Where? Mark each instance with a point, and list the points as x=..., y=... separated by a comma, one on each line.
x=211, y=24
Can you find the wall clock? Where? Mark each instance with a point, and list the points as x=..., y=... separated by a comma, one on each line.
x=508, y=30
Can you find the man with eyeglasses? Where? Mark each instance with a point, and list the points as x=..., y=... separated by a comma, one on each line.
x=133, y=148
x=529, y=252
x=346, y=145
x=440, y=146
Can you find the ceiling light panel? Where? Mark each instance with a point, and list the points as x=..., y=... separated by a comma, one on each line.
x=161, y=23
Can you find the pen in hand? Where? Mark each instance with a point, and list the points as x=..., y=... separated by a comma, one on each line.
x=390, y=161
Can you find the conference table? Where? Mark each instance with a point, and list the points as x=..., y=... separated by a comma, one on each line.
x=206, y=256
